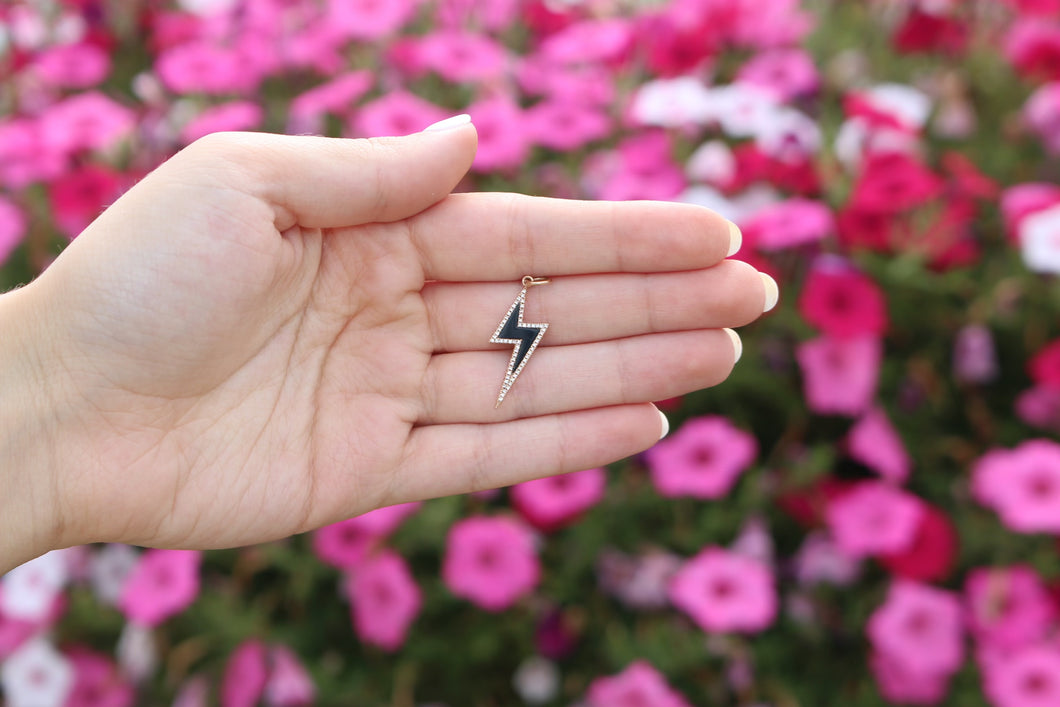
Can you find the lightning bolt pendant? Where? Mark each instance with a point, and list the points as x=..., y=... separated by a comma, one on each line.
x=525, y=337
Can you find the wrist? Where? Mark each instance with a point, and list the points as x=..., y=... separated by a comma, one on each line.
x=30, y=514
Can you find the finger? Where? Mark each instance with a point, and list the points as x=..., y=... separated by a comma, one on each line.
x=442, y=460
x=320, y=182
x=463, y=387
x=586, y=308
x=489, y=237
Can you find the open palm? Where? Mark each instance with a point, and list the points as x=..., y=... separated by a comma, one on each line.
x=272, y=333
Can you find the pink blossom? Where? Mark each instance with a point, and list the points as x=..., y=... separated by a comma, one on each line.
x=289, y=683
x=874, y=442
x=638, y=685
x=556, y=501
x=587, y=84
x=702, y=459
x=79, y=65
x=384, y=599
x=31, y=589
x=194, y=692
x=919, y=627
x=722, y=591
x=789, y=73
x=78, y=196
x=873, y=518
x=36, y=674
x=902, y=684
x=502, y=139
x=346, y=543
x=369, y=19
x=1022, y=485
x=492, y=15
x=565, y=126
x=605, y=40
x=1022, y=200
x=25, y=156
x=490, y=561
x=974, y=355
x=14, y=632
x=202, y=67
x=1033, y=47
x=1042, y=113
x=792, y=139
x=336, y=96
x=789, y=224
x=1040, y=406
x=235, y=115
x=640, y=168
x=396, y=113
x=12, y=228
x=819, y=560
x=246, y=674
x=766, y=24
x=1008, y=607
x=839, y=376
x=638, y=581
x=164, y=583
x=85, y=121
x=97, y=682
x=1027, y=678
x=461, y=56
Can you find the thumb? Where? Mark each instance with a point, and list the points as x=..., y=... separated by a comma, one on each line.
x=320, y=182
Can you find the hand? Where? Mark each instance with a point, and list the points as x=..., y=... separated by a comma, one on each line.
x=270, y=333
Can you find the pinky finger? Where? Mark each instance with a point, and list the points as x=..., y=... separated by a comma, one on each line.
x=444, y=460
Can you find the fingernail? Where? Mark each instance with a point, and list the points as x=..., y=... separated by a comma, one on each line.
x=735, y=239
x=449, y=123
x=772, y=291
x=737, y=345
x=665, y=423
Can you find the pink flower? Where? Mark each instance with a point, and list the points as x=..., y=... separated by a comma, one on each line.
x=722, y=592
x=843, y=302
x=893, y=182
x=1022, y=200
x=490, y=561
x=72, y=65
x=587, y=41
x=638, y=581
x=396, y=113
x=555, y=501
x=12, y=228
x=1040, y=406
x=789, y=224
x=245, y=675
x=586, y=84
x=384, y=599
x=369, y=19
x=164, y=583
x=502, y=139
x=201, y=67
x=77, y=197
x=85, y=121
x=819, y=561
x=1042, y=114
x=1022, y=485
x=1008, y=607
x=1033, y=47
x=839, y=375
x=874, y=442
x=461, y=57
x=919, y=627
x=873, y=518
x=974, y=355
x=25, y=157
x=1028, y=678
x=336, y=96
x=639, y=685
x=789, y=73
x=931, y=555
x=235, y=115
x=641, y=168
x=346, y=543
x=493, y=15
x=900, y=684
x=289, y=684
x=565, y=126
x=97, y=682
x=702, y=459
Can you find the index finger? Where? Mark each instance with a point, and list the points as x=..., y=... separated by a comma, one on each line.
x=490, y=236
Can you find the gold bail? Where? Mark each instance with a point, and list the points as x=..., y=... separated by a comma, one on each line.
x=530, y=280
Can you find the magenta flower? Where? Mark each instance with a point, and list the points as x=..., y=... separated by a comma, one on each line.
x=1021, y=200
x=1040, y=407
x=97, y=682
x=78, y=196
x=555, y=501
x=874, y=442
x=461, y=57
x=164, y=583
x=919, y=627
x=722, y=592
x=638, y=581
x=369, y=19
x=639, y=685
x=1022, y=485
x=502, y=139
x=235, y=115
x=336, y=97
x=843, y=302
x=396, y=113
x=702, y=459
x=605, y=40
x=789, y=224
x=384, y=599
x=245, y=675
x=839, y=376
x=873, y=518
x=289, y=684
x=789, y=73
x=1042, y=115
x=1008, y=607
x=1027, y=678
x=565, y=126
x=346, y=543
x=25, y=157
x=80, y=65
x=490, y=561
x=900, y=684
x=202, y=67
x=85, y=121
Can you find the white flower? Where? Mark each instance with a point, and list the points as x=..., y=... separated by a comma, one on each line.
x=36, y=675
x=855, y=140
x=737, y=209
x=672, y=103
x=791, y=136
x=30, y=589
x=743, y=109
x=712, y=162
x=136, y=652
x=108, y=569
x=1040, y=240
x=905, y=104
x=536, y=680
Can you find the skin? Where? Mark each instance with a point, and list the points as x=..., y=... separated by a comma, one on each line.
x=270, y=333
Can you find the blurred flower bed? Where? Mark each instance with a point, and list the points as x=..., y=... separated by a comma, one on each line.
x=866, y=513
